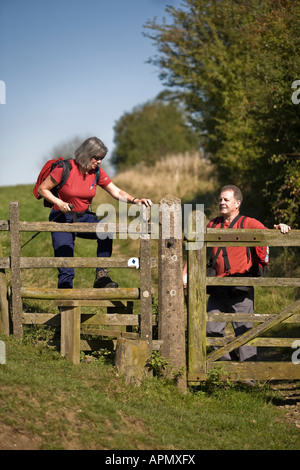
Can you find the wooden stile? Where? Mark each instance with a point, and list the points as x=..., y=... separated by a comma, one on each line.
x=117, y=303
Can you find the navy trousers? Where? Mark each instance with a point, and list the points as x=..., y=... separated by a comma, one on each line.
x=64, y=243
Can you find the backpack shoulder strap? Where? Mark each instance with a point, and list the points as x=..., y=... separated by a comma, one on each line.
x=67, y=167
x=216, y=221
x=224, y=251
x=247, y=247
x=235, y=220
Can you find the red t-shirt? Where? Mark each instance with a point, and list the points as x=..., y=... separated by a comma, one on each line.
x=237, y=255
x=79, y=188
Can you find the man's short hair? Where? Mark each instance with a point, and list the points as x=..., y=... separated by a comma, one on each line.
x=236, y=192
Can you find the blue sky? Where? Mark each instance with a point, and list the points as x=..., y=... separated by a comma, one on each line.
x=71, y=68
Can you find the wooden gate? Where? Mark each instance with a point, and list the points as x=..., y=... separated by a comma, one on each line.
x=116, y=301
x=199, y=361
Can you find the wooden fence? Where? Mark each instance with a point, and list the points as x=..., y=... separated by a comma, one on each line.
x=199, y=361
x=172, y=322
x=118, y=301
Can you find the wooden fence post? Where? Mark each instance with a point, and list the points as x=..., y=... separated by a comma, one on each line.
x=145, y=282
x=196, y=277
x=196, y=311
x=171, y=318
x=70, y=333
x=15, y=253
x=4, y=317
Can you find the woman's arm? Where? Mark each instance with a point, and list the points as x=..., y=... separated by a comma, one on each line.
x=44, y=190
x=119, y=194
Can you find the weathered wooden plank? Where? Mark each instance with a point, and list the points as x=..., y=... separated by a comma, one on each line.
x=16, y=300
x=101, y=319
x=145, y=285
x=51, y=319
x=4, y=313
x=253, y=281
x=196, y=309
x=238, y=237
x=247, y=237
x=100, y=343
x=78, y=294
x=248, y=317
x=70, y=333
x=5, y=263
x=81, y=227
x=108, y=332
x=170, y=291
x=111, y=319
x=48, y=262
x=57, y=227
x=4, y=225
x=95, y=303
x=262, y=342
x=252, y=370
x=114, y=319
x=255, y=331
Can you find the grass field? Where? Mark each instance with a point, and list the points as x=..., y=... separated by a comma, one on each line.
x=48, y=403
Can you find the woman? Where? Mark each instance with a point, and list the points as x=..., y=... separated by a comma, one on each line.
x=74, y=198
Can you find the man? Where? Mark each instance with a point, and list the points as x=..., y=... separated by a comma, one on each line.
x=234, y=261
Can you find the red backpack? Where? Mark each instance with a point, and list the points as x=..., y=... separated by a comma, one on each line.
x=46, y=170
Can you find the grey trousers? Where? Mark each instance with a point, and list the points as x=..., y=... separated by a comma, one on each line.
x=226, y=304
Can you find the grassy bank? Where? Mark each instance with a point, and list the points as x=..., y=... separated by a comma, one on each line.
x=48, y=403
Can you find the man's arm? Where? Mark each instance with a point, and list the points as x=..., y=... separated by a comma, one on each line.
x=283, y=228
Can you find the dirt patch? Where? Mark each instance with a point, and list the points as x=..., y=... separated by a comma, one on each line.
x=13, y=439
x=288, y=399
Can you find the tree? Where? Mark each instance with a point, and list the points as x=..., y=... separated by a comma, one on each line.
x=232, y=63
x=151, y=131
x=64, y=149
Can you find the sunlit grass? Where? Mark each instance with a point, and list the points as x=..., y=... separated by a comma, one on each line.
x=88, y=406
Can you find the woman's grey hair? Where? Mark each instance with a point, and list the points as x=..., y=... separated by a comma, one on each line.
x=237, y=193
x=91, y=147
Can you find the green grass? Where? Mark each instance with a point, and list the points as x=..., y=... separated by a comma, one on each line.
x=62, y=406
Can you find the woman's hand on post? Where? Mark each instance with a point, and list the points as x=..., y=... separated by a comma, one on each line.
x=146, y=202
